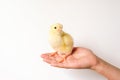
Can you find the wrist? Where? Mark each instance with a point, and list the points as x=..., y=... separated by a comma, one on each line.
x=109, y=71
x=100, y=65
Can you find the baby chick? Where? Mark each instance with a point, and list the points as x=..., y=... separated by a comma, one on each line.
x=60, y=41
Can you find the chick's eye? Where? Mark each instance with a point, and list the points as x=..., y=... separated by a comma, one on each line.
x=55, y=27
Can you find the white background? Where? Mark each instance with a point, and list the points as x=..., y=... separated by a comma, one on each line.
x=24, y=26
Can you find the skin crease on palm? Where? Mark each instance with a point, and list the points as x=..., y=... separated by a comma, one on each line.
x=80, y=58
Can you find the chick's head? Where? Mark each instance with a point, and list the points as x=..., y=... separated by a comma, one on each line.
x=56, y=28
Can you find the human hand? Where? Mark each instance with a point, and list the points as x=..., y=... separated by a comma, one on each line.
x=81, y=58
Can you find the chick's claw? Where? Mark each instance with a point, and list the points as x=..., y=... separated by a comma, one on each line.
x=61, y=58
x=53, y=54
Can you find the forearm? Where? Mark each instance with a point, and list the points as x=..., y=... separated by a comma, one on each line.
x=109, y=71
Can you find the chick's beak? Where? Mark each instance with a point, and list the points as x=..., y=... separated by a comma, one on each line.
x=60, y=29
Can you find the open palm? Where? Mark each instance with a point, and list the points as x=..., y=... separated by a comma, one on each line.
x=80, y=58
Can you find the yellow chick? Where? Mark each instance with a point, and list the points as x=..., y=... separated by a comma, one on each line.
x=60, y=41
